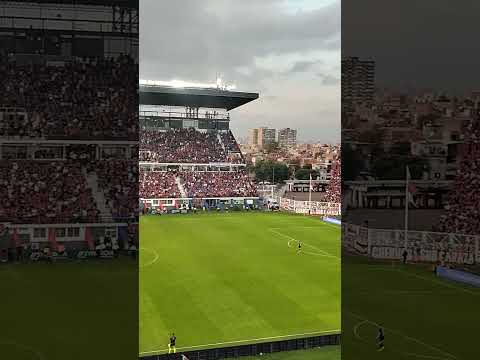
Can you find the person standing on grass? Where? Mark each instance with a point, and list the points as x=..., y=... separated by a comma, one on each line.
x=380, y=339
x=404, y=255
x=171, y=344
x=299, y=248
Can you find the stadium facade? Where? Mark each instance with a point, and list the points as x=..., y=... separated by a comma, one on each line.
x=189, y=157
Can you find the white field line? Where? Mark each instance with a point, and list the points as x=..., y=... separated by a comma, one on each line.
x=427, y=356
x=445, y=284
x=356, y=327
x=431, y=347
x=338, y=227
x=289, y=243
x=324, y=253
x=150, y=263
x=336, y=331
x=37, y=354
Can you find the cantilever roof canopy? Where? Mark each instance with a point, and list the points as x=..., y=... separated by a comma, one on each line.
x=194, y=97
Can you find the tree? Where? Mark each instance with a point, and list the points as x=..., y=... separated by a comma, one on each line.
x=304, y=174
x=266, y=170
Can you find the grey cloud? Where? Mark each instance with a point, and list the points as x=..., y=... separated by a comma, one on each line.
x=196, y=40
x=328, y=79
x=302, y=66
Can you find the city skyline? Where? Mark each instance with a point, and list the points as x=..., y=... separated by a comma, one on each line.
x=290, y=55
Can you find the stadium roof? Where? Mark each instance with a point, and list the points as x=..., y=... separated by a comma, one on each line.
x=194, y=97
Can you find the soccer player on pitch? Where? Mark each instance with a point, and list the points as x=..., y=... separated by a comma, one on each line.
x=404, y=255
x=299, y=248
x=171, y=344
x=380, y=339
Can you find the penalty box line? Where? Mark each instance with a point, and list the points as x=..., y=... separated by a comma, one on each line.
x=247, y=341
x=447, y=356
x=323, y=252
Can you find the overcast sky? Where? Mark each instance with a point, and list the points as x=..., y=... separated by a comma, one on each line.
x=287, y=50
x=416, y=44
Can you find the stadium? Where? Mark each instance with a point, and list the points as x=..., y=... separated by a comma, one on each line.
x=69, y=184
x=217, y=268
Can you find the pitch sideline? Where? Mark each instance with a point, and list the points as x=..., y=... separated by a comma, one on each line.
x=246, y=341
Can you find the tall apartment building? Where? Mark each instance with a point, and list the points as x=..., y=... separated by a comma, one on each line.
x=266, y=136
x=287, y=138
x=358, y=82
x=253, y=137
x=261, y=137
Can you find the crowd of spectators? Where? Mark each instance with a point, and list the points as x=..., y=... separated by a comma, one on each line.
x=187, y=146
x=229, y=142
x=218, y=184
x=462, y=214
x=333, y=191
x=78, y=100
x=158, y=185
x=45, y=192
x=119, y=181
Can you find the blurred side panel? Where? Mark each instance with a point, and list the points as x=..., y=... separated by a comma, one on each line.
x=68, y=180
x=410, y=150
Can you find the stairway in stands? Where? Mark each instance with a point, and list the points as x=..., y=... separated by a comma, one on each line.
x=219, y=138
x=98, y=195
x=180, y=187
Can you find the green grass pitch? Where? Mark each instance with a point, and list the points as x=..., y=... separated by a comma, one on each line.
x=220, y=279
x=424, y=317
x=71, y=310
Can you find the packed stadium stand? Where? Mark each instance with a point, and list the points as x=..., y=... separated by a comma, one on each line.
x=218, y=184
x=334, y=187
x=68, y=121
x=186, y=146
x=60, y=101
x=45, y=192
x=158, y=185
x=187, y=151
x=462, y=213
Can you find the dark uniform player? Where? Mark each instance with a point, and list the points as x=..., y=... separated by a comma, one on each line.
x=171, y=344
x=299, y=248
x=380, y=339
x=404, y=256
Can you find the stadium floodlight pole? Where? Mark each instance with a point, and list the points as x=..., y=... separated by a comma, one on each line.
x=407, y=180
x=273, y=179
x=310, y=194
